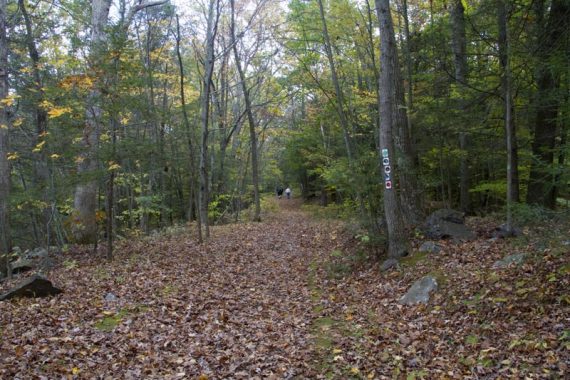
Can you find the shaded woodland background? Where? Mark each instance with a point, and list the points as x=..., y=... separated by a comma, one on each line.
x=118, y=122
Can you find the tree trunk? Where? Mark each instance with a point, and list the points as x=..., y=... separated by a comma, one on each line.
x=550, y=39
x=251, y=122
x=192, y=198
x=338, y=91
x=212, y=23
x=510, y=131
x=459, y=48
x=5, y=243
x=41, y=171
x=397, y=246
x=85, y=201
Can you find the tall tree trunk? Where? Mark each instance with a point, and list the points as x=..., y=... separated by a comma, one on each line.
x=402, y=138
x=510, y=131
x=397, y=246
x=459, y=48
x=212, y=22
x=192, y=199
x=251, y=121
x=551, y=40
x=409, y=76
x=338, y=91
x=85, y=201
x=41, y=171
x=5, y=243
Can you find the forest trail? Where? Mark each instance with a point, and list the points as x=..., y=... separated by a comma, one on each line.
x=237, y=307
x=290, y=297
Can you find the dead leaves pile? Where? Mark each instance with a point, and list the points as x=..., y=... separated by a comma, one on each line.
x=262, y=300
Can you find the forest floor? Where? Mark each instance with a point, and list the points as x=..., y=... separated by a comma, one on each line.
x=294, y=297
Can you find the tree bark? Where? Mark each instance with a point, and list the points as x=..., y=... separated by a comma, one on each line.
x=397, y=246
x=550, y=42
x=510, y=131
x=85, y=201
x=459, y=48
x=212, y=22
x=41, y=171
x=251, y=122
x=5, y=242
x=338, y=91
x=192, y=198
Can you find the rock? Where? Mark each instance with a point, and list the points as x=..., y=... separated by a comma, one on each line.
x=389, y=264
x=420, y=291
x=21, y=265
x=502, y=232
x=516, y=259
x=430, y=247
x=37, y=253
x=110, y=297
x=35, y=286
x=447, y=223
x=46, y=264
x=566, y=242
x=448, y=215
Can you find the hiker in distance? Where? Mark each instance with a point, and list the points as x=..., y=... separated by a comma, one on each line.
x=288, y=193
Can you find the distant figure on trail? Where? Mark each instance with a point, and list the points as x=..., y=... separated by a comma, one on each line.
x=279, y=191
x=288, y=193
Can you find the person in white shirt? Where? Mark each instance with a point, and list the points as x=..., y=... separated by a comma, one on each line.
x=288, y=193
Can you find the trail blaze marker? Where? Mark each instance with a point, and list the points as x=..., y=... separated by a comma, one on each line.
x=387, y=169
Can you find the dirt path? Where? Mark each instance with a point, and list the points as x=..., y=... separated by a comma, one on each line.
x=237, y=307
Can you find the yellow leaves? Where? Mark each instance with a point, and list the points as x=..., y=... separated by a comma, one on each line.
x=79, y=159
x=9, y=100
x=354, y=371
x=100, y=216
x=75, y=370
x=113, y=166
x=125, y=119
x=46, y=104
x=81, y=82
x=12, y=156
x=104, y=137
x=203, y=377
x=55, y=156
x=39, y=147
x=57, y=112
x=18, y=122
x=3, y=126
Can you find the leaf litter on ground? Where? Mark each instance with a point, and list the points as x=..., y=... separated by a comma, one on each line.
x=283, y=299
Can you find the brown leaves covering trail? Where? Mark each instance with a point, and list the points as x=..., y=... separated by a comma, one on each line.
x=237, y=307
x=275, y=300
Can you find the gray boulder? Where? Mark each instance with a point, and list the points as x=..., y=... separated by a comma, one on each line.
x=110, y=297
x=32, y=287
x=420, y=291
x=21, y=265
x=36, y=253
x=503, y=232
x=447, y=223
x=430, y=247
x=389, y=264
x=516, y=259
